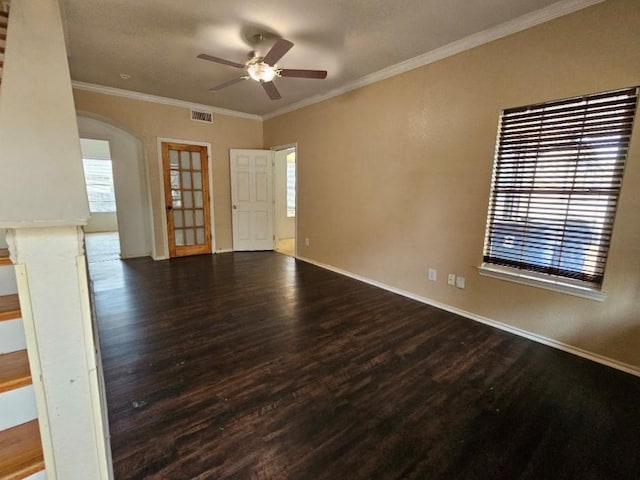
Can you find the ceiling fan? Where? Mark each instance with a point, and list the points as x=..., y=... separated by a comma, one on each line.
x=264, y=69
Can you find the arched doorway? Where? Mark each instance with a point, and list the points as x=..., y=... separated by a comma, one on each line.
x=130, y=185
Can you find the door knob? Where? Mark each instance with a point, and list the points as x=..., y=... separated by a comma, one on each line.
x=234, y=207
x=169, y=207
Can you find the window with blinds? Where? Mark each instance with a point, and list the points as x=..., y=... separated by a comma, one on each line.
x=556, y=181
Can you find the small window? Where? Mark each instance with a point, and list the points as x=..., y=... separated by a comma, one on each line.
x=555, y=187
x=291, y=184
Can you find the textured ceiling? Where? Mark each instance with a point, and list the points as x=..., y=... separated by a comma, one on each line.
x=157, y=41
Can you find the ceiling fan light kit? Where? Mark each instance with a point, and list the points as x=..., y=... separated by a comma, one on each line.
x=264, y=69
x=262, y=72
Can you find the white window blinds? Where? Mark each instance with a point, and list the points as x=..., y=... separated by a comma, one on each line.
x=556, y=181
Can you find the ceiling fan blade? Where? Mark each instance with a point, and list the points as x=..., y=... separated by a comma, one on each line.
x=227, y=84
x=278, y=50
x=292, y=72
x=271, y=90
x=204, y=56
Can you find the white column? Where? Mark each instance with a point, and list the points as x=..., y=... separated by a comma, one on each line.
x=43, y=202
x=53, y=290
x=42, y=181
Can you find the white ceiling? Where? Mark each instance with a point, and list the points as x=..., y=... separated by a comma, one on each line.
x=157, y=41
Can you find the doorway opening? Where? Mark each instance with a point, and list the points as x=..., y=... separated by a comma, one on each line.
x=285, y=200
x=101, y=232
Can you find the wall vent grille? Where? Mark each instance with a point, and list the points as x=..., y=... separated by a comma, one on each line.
x=201, y=116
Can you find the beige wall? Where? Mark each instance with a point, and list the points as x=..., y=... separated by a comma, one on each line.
x=39, y=147
x=102, y=222
x=149, y=121
x=395, y=177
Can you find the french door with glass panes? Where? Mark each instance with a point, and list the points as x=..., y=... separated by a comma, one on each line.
x=186, y=183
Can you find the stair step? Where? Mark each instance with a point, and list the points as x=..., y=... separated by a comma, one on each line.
x=9, y=307
x=20, y=451
x=14, y=371
x=4, y=252
x=17, y=407
x=8, y=285
x=12, y=337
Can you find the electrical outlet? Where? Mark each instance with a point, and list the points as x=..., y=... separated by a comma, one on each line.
x=460, y=283
x=451, y=280
x=306, y=242
x=433, y=274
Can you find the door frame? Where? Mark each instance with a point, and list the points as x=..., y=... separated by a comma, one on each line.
x=277, y=148
x=161, y=205
x=109, y=140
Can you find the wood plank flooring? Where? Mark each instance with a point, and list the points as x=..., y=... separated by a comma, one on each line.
x=257, y=366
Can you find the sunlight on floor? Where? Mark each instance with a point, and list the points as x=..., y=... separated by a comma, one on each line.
x=102, y=247
x=287, y=246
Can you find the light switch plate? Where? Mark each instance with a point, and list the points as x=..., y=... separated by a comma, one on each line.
x=433, y=274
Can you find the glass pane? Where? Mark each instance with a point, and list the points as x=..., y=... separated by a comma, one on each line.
x=176, y=198
x=177, y=218
x=195, y=158
x=187, y=198
x=197, y=198
x=179, y=236
x=186, y=179
x=200, y=236
x=175, y=179
x=197, y=180
x=173, y=159
x=199, y=218
x=184, y=160
x=190, y=237
x=188, y=218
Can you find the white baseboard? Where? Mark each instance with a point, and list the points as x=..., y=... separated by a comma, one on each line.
x=135, y=255
x=627, y=368
x=221, y=250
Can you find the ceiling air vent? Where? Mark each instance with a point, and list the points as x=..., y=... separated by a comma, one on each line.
x=201, y=116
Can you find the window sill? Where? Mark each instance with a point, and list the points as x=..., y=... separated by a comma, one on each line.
x=531, y=279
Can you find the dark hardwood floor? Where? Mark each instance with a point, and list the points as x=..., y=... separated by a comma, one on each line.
x=257, y=366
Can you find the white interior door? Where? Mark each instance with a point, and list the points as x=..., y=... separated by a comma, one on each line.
x=252, y=199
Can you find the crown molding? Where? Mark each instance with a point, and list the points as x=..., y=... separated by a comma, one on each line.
x=516, y=25
x=145, y=97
